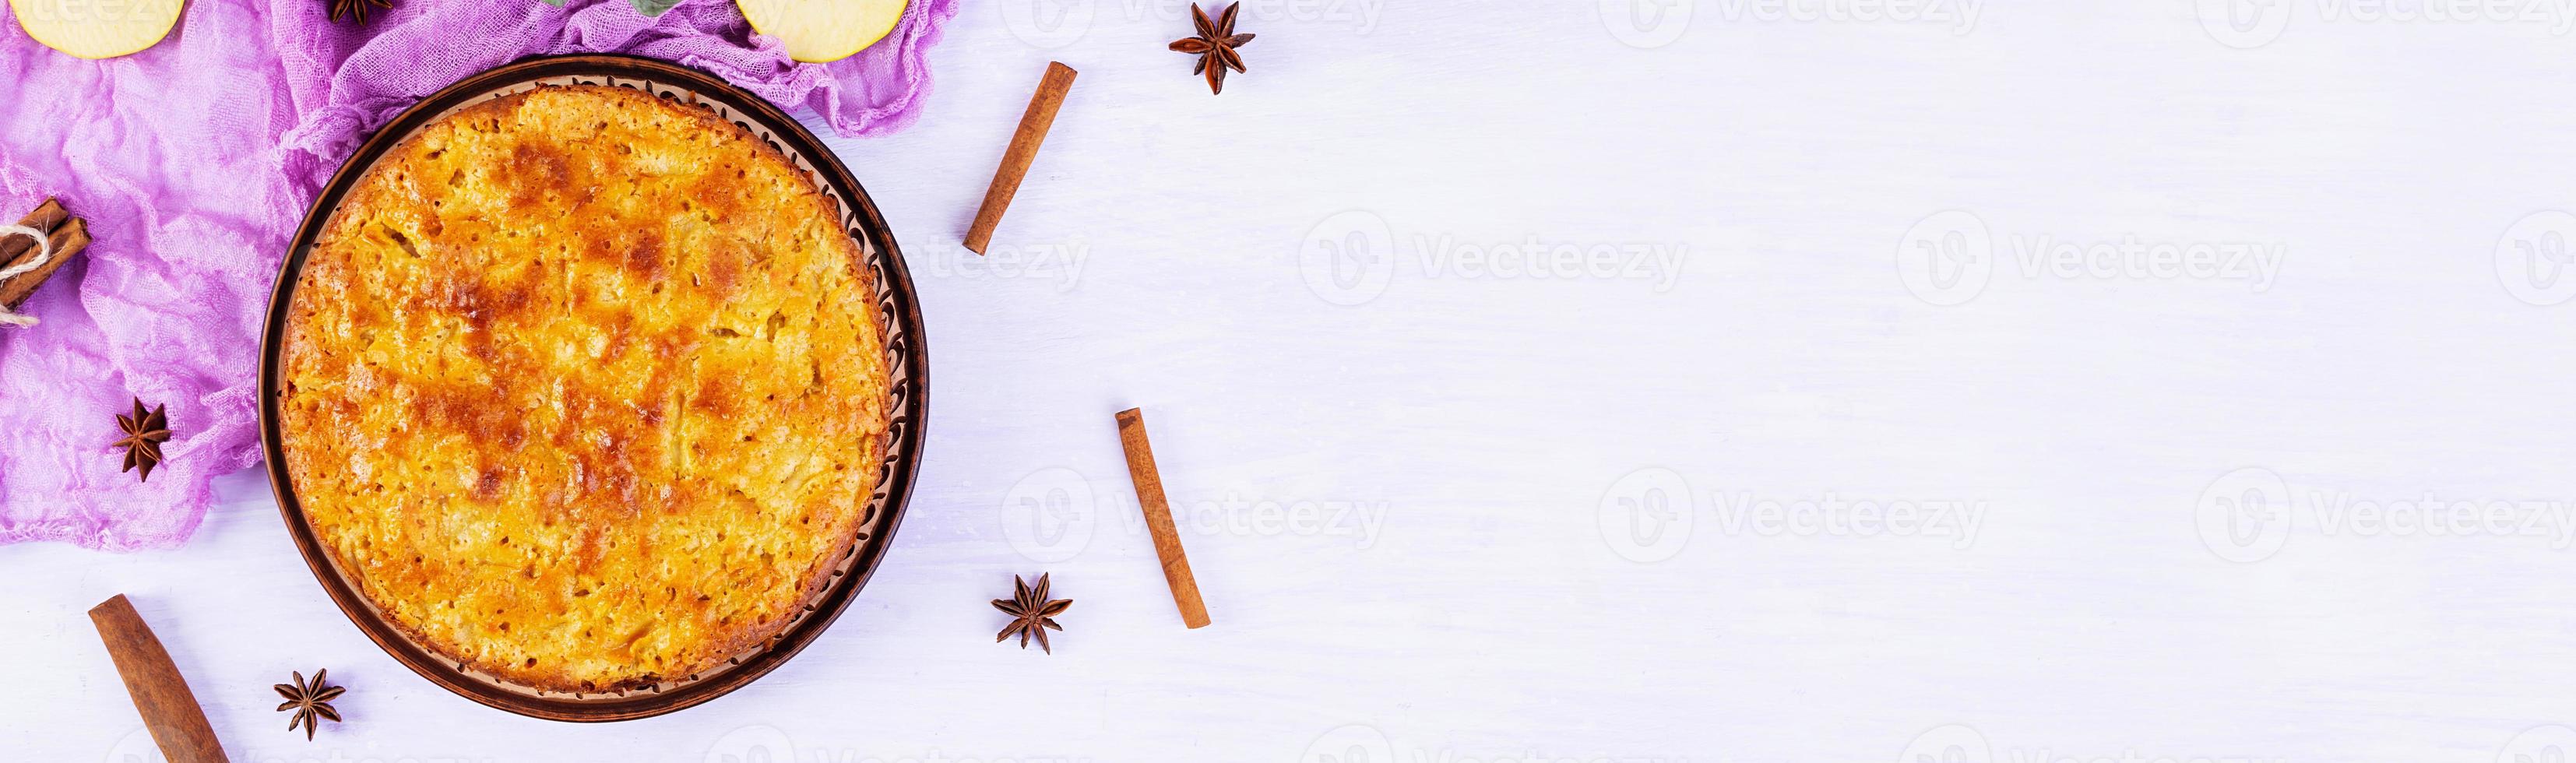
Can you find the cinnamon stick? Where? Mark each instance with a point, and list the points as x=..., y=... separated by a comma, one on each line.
x=1158, y=518
x=68, y=240
x=46, y=216
x=169, y=710
x=1024, y=150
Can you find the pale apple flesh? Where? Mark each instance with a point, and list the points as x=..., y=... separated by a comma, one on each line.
x=820, y=31
x=97, y=28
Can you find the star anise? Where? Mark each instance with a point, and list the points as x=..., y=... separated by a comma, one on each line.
x=144, y=433
x=356, y=10
x=1214, y=46
x=1032, y=611
x=310, y=700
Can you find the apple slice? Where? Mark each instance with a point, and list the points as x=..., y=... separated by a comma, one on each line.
x=97, y=28
x=822, y=31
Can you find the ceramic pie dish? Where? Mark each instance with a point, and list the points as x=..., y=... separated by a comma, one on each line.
x=591, y=388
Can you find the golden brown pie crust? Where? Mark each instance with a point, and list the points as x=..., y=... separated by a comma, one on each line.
x=585, y=389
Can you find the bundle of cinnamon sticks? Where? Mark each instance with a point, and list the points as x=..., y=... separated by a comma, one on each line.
x=68, y=235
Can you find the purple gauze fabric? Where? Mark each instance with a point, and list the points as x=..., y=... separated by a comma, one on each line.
x=193, y=162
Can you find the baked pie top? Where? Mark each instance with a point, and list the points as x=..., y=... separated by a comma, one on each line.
x=585, y=389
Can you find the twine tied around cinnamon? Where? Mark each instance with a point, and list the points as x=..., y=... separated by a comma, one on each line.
x=44, y=254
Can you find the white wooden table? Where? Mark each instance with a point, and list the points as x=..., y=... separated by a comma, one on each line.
x=1831, y=380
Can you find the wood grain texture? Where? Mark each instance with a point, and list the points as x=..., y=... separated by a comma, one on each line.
x=1158, y=518
x=1023, y=151
x=160, y=693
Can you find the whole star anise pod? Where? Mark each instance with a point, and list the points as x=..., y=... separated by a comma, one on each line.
x=144, y=433
x=356, y=10
x=310, y=700
x=1214, y=46
x=1032, y=613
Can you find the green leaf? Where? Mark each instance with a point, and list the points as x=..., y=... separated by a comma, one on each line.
x=654, y=7
x=555, y=3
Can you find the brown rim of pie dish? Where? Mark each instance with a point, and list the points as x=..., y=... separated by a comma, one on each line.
x=907, y=362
